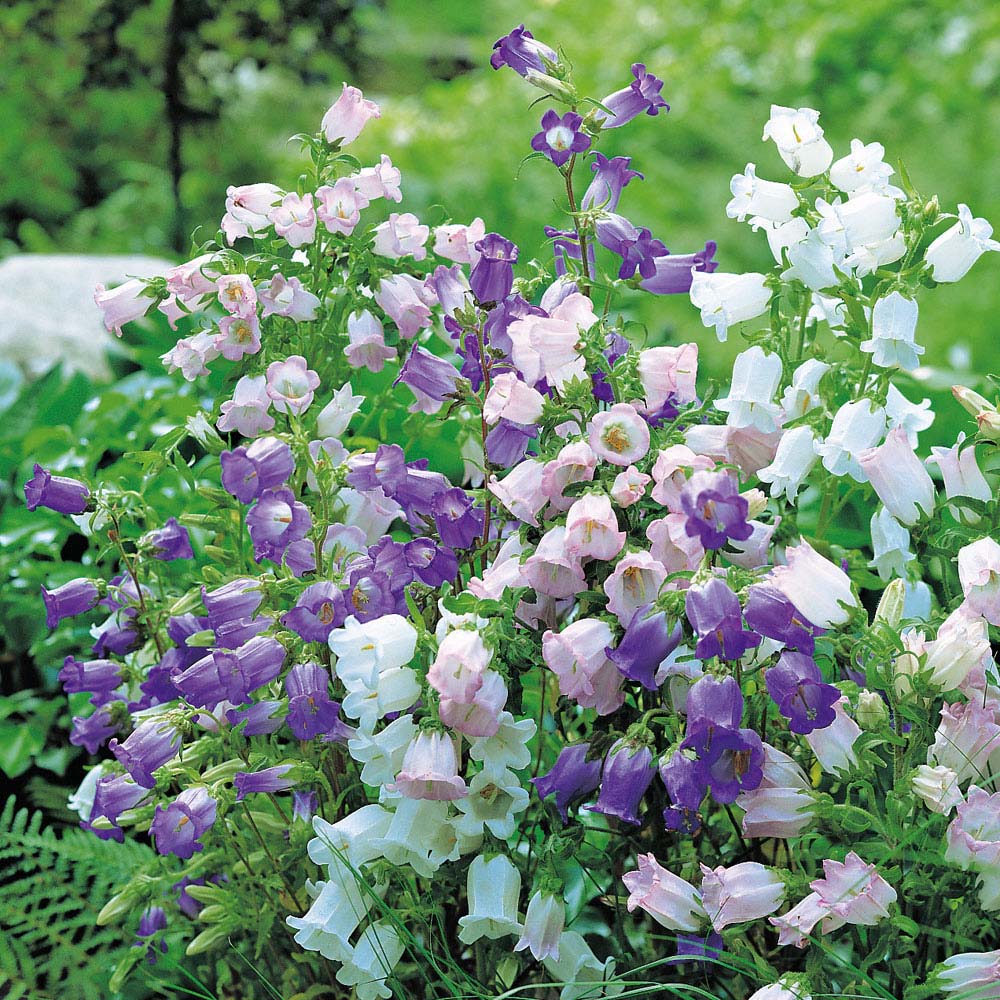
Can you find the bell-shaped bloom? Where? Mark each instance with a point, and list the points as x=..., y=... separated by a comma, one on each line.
x=291, y=385
x=979, y=574
x=372, y=961
x=479, y=717
x=170, y=542
x=494, y=799
x=592, y=530
x=494, y=889
x=764, y=200
x=937, y=787
x=248, y=210
x=492, y=275
x=521, y=490
x=899, y=478
x=671, y=469
x=619, y=435
x=401, y=296
x=812, y=261
x=366, y=347
x=974, y=833
x=952, y=254
x=793, y=461
x=288, y=297
x=58, y=493
x=674, y=273
x=246, y=413
x=428, y=374
x=546, y=347
x=575, y=463
x=728, y=299
x=511, y=399
x=552, y=569
x=379, y=181
x=560, y=137
x=572, y=777
x=338, y=206
x=715, y=615
x=961, y=645
x=628, y=773
x=853, y=892
x=267, y=781
x=348, y=115
x=311, y=712
x=972, y=975
x=770, y=612
x=648, y=640
x=458, y=242
x=857, y=426
x=863, y=167
x=743, y=892
x=577, y=657
x=782, y=804
x=641, y=96
x=967, y=736
x=714, y=509
x=803, y=394
x=231, y=675
x=275, y=521
x=295, y=219
x=818, y=588
x=635, y=582
x=124, y=304
x=73, y=598
x=177, y=829
x=867, y=219
x=894, y=325
x=629, y=486
x=401, y=235
x=750, y=402
x=668, y=899
x=151, y=745
x=543, y=925
x=796, y=686
x=458, y=668
x=113, y=794
x=799, y=138
x=611, y=176
x=580, y=970
x=248, y=470
x=833, y=745
x=674, y=548
x=668, y=373
x=634, y=244
x=960, y=471
x=430, y=769
x=521, y=51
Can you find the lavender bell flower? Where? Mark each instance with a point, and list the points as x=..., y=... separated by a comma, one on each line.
x=507, y=443
x=171, y=541
x=714, y=613
x=151, y=923
x=271, y=779
x=571, y=778
x=58, y=493
x=149, y=747
x=686, y=783
x=418, y=491
x=262, y=465
x=735, y=764
x=522, y=52
x=262, y=717
x=225, y=675
x=566, y=246
x=232, y=635
x=94, y=731
x=119, y=634
x=428, y=374
x=628, y=772
x=368, y=595
x=458, y=523
x=304, y=806
x=796, y=685
x=93, y=676
x=314, y=613
x=114, y=794
x=674, y=273
x=179, y=827
x=698, y=952
x=431, y=563
x=237, y=599
x=385, y=469
x=648, y=640
x=311, y=711
x=636, y=247
x=715, y=510
x=560, y=137
x=610, y=179
x=275, y=521
x=770, y=613
x=641, y=95
x=73, y=598
x=492, y=276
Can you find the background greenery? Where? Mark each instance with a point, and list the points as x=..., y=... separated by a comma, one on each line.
x=123, y=121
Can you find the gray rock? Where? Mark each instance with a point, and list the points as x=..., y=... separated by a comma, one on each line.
x=47, y=310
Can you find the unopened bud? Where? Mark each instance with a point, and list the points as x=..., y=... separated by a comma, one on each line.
x=117, y=906
x=890, y=605
x=932, y=209
x=871, y=710
x=558, y=89
x=757, y=501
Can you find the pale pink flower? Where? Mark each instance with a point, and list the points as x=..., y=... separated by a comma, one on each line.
x=619, y=435
x=974, y=833
x=248, y=209
x=458, y=668
x=750, y=448
x=237, y=295
x=853, y=892
x=124, y=304
x=401, y=235
x=339, y=207
x=962, y=645
x=937, y=787
x=636, y=581
x=592, y=530
x=755, y=551
x=479, y=717
x=511, y=399
x=348, y=115
x=281, y=296
x=575, y=463
x=457, y=242
x=401, y=296
x=783, y=989
x=380, y=181
x=546, y=346
x=671, y=545
x=246, y=412
x=543, y=926
x=833, y=746
x=189, y=280
x=979, y=573
x=191, y=355
x=960, y=471
x=795, y=926
x=972, y=975
x=966, y=737
x=295, y=219
x=776, y=812
x=672, y=902
x=671, y=470
x=629, y=486
x=367, y=347
x=238, y=336
x=668, y=372
x=430, y=769
x=552, y=569
x=170, y=308
x=743, y=892
x=291, y=385
x=818, y=588
x=521, y=490
x=899, y=478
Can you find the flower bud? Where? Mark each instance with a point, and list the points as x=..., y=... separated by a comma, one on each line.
x=890, y=605
x=117, y=906
x=558, y=89
x=871, y=711
x=757, y=502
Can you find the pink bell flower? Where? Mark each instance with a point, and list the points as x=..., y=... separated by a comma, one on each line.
x=246, y=413
x=667, y=898
x=401, y=235
x=291, y=385
x=592, y=530
x=577, y=656
x=430, y=769
x=743, y=892
x=635, y=582
x=401, y=296
x=619, y=435
x=348, y=115
x=295, y=219
x=124, y=304
x=629, y=486
x=668, y=372
x=979, y=574
x=899, y=478
x=339, y=206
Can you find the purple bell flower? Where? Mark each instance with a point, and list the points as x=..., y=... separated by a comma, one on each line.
x=92, y=676
x=58, y=493
x=304, y=806
x=735, y=763
x=73, y=598
x=114, y=794
x=610, y=179
x=418, y=492
x=492, y=276
x=93, y=731
x=233, y=634
x=648, y=640
x=311, y=711
x=178, y=828
x=389, y=556
x=714, y=613
x=715, y=703
x=158, y=687
x=386, y=468
x=560, y=137
x=428, y=374
x=262, y=717
x=769, y=612
x=566, y=246
x=522, y=52
x=225, y=675
x=271, y=779
x=275, y=521
x=715, y=510
x=636, y=247
x=367, y=596
x=796, y=685
x=152, y=922
x=673, y=273
x=641, y=95
x=431, y=563
x=572, y=777
x=314, y=613
x=628, y=772
x=236, y=599
x=698, y=952
x=118, y=635
x=507, y=442
x=300, y=557
x=458, y=523
x=170, y=542
x=151, y=745
x=264, y=464
x=684, y=780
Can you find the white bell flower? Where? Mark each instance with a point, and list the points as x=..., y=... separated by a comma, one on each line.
x=363, y=650
x=754, y=196
x=543, y=925
x=890, y=545
x=581, y=970
x=727, y=299
x=802, y=395
x=793, y=461
x=784, y=235
x=894, y=326
x=750, y=403
x=492, y=801
x=856, y=426
x=912, y=417
x=863, y=167
x=494, y=889
x=374, y=957
x=415, y=826
x=799, y=138
x=812, y=262
x=868, y=258
x=866, y=219
x=381, y=753
x=507, y=747
x=349, y=839
x=954, y=252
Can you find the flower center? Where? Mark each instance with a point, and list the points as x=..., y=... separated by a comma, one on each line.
x=616, y=438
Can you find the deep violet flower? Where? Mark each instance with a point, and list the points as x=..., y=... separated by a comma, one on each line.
x=150, y=746
x=113, y=794
x=566, y=245
x=151, y=923
x=73, y=598
x=674, y=272
x=636, y=246
x=797, y=687
x=560, y=137
x=431, y=563
x=715, y=510
x=458, y=522
x=611, y=176
x=771, y=614
x=492, y=276
x=641, y=95
x=264, y=464
x=58, y=493
x=177, y=829
x=231, y=675
x=428, y=374
x=92, y=675
x=507, y=442
x=311, y=711
x=170, y=542
x=93, y=731
x=275, y=521
x=314, y=613
x=271, y=779
x=572, y=777
x=237, y=599
x=648, y=640
x=714, y=613
x=628, y=772
x=522, y=52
